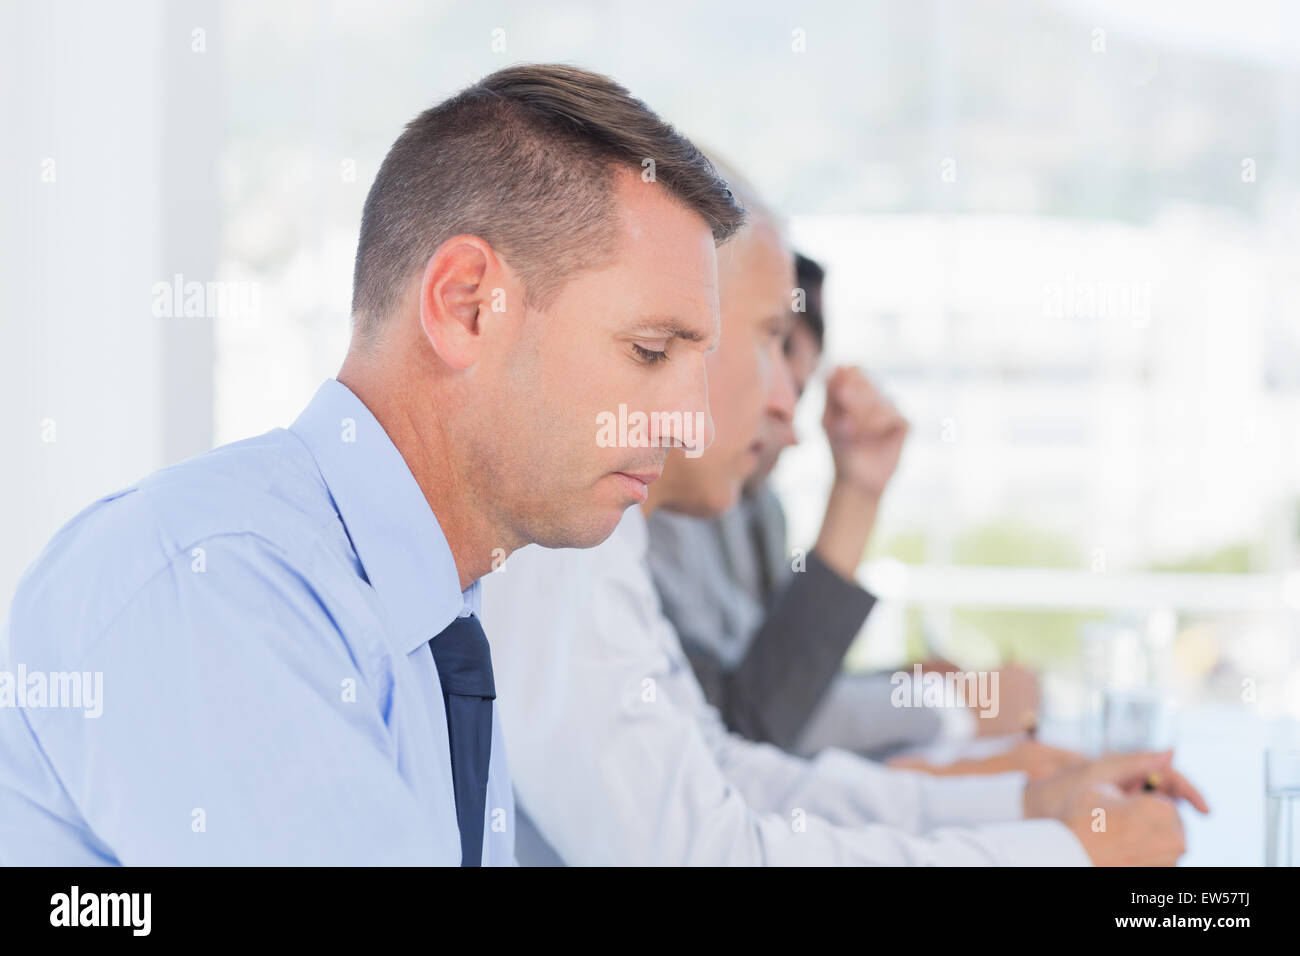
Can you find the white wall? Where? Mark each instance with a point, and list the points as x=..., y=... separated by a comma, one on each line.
x=84, y=361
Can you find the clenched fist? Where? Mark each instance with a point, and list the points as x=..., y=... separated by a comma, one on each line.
x=865, y=430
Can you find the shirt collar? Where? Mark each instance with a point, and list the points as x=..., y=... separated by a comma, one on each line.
x=392, y=528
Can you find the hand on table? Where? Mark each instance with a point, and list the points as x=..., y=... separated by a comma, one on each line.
x=1104, y=804
x=1120, y=830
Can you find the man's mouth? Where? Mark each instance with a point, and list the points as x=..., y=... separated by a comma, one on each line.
x=637, y=483
x=645, y=477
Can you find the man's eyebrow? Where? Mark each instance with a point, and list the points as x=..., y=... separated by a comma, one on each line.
x=669, y=327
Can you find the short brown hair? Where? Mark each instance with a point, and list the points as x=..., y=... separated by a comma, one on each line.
x=525, y=159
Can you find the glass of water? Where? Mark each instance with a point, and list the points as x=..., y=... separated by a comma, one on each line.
x=1138, y=718
x=1282, y=807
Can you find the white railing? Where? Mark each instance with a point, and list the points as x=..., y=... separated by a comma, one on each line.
x=1037, y=588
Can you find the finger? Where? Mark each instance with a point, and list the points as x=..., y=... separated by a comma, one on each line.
x=882, y=415
x=835, y=389
x=852, y=379
x=839, y=428
x=838, y=378
x=875, y=425
x=1176, y=785
x=849, y=401
x=1131, y=769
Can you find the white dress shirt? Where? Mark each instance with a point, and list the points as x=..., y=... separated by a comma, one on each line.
x=619, y=759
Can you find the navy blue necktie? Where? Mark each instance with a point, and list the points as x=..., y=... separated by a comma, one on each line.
x=465, y=671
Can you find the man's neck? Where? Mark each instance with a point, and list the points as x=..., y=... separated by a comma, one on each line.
x=417, y=434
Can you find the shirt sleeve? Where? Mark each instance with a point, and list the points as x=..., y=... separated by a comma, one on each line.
x=39, y=825
x=858, y=715
x=237, y=726
x=796, y=653
x=636, y=781
x=845, y=790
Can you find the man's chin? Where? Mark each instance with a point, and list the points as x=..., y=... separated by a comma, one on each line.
x=598, y=525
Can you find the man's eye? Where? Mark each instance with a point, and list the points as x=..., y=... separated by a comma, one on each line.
x=649, y=356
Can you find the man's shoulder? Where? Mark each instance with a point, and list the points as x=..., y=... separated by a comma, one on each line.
x=268, y=485
x=264, y=492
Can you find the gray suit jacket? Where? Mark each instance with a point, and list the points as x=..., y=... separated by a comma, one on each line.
x=767, y=643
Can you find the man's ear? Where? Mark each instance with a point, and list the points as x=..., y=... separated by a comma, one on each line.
x=454, y=296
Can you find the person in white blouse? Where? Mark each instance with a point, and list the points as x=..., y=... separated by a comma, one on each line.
x=618, y=758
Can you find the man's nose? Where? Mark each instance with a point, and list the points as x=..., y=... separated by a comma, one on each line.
x=781, y=394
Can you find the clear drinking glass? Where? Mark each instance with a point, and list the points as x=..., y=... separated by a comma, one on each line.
x=1281, y=807
x=1138, y=718
x=1118, y=659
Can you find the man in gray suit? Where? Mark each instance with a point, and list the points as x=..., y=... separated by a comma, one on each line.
x=767, y=643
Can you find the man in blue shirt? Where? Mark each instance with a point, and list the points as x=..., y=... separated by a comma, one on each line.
x=284, y=630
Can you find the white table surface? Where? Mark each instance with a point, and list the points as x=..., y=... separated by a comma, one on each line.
x=1220, y=748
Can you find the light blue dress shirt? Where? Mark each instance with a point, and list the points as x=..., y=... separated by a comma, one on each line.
x=260, y=616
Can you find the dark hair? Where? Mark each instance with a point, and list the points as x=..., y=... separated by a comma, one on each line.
x=810, y=277
x=526, y=160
